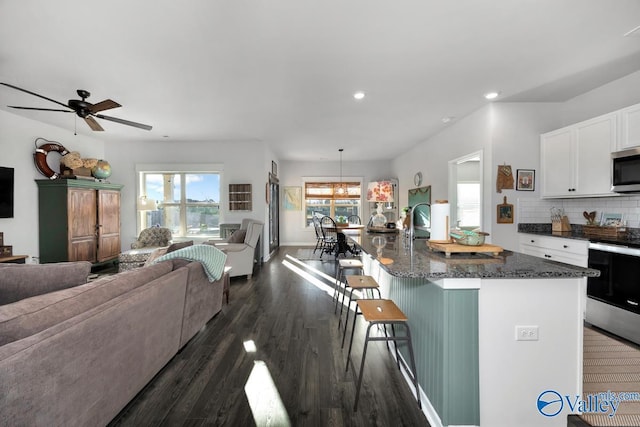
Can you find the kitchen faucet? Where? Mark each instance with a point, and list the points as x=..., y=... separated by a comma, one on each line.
x=412, y=232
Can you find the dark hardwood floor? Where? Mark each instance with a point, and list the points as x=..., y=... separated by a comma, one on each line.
x=291, y=320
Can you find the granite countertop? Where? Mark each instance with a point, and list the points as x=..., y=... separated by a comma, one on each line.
x=631, y=236
x=422, y=262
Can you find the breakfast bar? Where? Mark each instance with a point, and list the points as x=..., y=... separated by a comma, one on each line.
x=491, y=332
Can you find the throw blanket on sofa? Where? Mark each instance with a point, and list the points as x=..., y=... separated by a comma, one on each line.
x=211, y=258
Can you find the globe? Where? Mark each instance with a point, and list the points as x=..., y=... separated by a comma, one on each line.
x=102, y=170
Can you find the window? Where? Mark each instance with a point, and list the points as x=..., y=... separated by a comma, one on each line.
x=188, y=203
x=468, y=205
x=331, y=198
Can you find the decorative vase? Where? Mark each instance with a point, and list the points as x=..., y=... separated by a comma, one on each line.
x=379, y=220
x=102, y=170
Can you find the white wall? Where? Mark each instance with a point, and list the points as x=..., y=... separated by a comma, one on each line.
x=507, y=133
x=469, y=134
x=17, y=137
x=515, y=140
x=604, y=99
x=292, y=224
x=244, y=163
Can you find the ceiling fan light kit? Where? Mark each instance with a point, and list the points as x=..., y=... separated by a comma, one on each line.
x=82, y=108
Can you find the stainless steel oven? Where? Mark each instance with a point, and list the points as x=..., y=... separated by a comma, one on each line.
x=613, y=302
x=626, y=171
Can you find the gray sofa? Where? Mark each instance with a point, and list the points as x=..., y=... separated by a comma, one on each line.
x=77, y=356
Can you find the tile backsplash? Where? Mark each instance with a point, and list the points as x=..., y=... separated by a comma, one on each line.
x=530, y=210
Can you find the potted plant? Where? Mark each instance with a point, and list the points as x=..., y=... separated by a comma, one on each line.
x=341, y=220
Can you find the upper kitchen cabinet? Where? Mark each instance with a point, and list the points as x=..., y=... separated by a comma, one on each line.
x=629, y=128
x=575, y=161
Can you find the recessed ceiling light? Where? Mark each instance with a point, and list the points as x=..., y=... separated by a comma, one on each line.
x=358, y=95
x=447, y=119
x=491, y=95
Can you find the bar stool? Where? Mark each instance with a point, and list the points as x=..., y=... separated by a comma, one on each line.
x=383, y=312
x=360, y=283
x=344, y=264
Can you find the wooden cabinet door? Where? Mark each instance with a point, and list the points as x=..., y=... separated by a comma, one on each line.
x=595, y=139
x=629, y=127
x=556, y=163
x=108, y=224
x=81, y=223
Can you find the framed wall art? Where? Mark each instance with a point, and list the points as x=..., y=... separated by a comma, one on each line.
x=292, y=200
x=526, y=180
x=504, y=212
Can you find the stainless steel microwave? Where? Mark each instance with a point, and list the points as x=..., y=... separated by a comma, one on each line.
x=626, y=171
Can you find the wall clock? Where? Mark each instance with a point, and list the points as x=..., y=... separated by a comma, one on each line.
x=417, y=179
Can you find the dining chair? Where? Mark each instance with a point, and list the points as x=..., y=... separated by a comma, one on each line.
x=329, y=235
x=354, y=219
x=319, y=236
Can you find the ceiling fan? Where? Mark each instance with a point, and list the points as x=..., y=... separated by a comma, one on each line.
x=82, y=108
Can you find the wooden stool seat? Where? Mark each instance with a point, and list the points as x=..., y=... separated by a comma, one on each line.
x=361, y=282
x=383, y=312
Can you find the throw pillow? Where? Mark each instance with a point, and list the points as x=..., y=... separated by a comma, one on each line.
x=155, y=254
x=237, y=236
x=179, y=245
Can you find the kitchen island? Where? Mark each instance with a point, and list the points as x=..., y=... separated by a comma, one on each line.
x=491, y=333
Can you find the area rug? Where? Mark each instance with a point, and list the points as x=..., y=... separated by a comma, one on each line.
x=306, y=254
x=611, y=365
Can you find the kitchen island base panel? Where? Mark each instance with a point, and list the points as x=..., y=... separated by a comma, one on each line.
x=513, y=372
x=444, y=323
x=472, y=371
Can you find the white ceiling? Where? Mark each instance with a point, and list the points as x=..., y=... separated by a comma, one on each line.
x=283, y=71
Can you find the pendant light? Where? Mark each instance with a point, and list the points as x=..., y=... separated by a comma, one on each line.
x=341, y=189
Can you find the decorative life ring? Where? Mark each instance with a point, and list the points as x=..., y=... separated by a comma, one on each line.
x=40, y=158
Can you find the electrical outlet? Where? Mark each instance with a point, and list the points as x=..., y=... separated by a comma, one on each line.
x=526, y=333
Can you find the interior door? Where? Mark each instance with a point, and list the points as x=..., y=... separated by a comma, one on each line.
x=81, y=219
x=108, y=224
x=274, y=213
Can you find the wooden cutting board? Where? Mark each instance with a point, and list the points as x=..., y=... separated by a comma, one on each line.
x=452, y=248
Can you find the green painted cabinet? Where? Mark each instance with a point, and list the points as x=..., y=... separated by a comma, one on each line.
x=79, y=220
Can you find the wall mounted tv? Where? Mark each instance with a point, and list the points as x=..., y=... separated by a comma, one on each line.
x=6, y=192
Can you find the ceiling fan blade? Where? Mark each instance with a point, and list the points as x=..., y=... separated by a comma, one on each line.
x=124, y=122
x=34, y=94
x=107, y=104
x=40, y=109
x=93, y=124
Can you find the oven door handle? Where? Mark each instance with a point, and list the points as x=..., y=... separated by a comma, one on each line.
x=618, y=249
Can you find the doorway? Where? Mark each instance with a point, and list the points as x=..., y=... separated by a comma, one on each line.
x=465, y=191
x=274, y=213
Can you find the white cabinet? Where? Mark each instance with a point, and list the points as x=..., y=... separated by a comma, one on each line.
x=575, y=161
x=629, y=128
x=568, y=251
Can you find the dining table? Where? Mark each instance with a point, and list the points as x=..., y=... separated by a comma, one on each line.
x=353, y=231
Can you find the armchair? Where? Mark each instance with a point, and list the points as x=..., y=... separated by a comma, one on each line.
x=240, y=256
x=153, y=236
x=148, y=241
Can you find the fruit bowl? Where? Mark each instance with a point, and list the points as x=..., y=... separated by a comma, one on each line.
x=468, y=238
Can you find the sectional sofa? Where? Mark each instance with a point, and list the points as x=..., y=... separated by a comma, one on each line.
x=74, y=354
